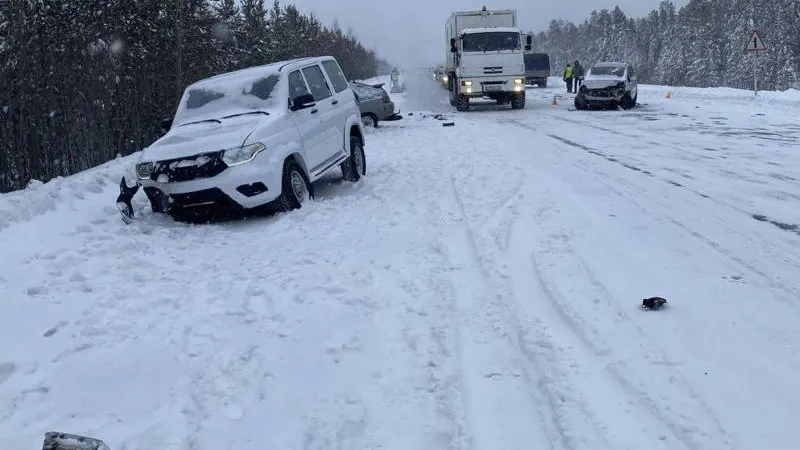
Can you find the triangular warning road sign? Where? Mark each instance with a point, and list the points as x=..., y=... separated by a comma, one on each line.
x=755, y=43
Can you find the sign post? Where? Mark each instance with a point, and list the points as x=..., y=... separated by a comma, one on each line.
x=754, y=45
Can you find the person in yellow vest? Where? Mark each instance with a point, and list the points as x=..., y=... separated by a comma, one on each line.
x=569, y=77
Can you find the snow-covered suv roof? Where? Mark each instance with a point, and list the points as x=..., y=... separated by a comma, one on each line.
x=256, y=70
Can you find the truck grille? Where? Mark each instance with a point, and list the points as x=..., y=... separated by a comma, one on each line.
x=204, y=165
x=493, y=70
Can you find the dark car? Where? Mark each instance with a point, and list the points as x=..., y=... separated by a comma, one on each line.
x=537, y=69
x=374, y=103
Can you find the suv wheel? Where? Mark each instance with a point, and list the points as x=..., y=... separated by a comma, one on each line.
x=354, y=167
x=295, y=188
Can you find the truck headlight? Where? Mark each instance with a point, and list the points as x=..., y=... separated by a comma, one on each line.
x=444, y=78
x=241, y=155
x=466, y=83
x=145, y=170
x=519, y=81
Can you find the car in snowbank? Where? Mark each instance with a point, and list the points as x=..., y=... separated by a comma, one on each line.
x=374, y=103
x=253, y=137
x=608, y=84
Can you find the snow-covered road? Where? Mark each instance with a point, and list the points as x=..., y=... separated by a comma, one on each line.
x=479, y=290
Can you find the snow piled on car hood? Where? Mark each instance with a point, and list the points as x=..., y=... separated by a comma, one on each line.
x=194, y=138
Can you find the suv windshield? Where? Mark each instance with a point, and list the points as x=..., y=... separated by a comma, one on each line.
x=490, y=42
x=228, y=96
x=616, y=71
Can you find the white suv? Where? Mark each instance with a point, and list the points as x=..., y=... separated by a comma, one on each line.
x=608, y=84
x=253, y=137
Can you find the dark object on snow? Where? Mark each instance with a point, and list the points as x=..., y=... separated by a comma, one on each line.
x=653, y=303
x=66, y=441
x=448, y=124
x=124, y=200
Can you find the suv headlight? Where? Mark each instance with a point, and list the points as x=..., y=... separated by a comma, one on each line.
x=519, y=81
x=241, y=155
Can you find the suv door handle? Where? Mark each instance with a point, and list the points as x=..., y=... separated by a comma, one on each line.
x=314, y=111
x=335, y=102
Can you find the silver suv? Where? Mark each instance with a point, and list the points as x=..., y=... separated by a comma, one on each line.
x=253, y=137
x=608, y=84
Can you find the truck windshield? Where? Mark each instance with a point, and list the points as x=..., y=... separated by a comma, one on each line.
x=490, y=42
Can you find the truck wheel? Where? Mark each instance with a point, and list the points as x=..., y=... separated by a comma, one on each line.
x=295, y=187
x=543, y=84
x=462, y=104
x=354, y=167
x=518, y=101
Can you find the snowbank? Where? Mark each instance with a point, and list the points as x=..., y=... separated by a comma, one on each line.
x=61, y=193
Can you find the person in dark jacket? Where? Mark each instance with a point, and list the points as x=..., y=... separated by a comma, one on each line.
x=578, y=73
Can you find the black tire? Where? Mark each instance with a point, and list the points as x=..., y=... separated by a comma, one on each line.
x=369, y=120
x=462, y=103
x=627, y=102
x=543, y=84
x=518, y=101
x=580, y=103
x=292, y=198
x=354, y=167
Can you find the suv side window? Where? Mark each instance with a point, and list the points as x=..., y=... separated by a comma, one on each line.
x=335, y=74
x=316, y=82
x=297, y=85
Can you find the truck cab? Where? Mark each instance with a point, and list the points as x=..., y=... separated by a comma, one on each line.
x=485, y=58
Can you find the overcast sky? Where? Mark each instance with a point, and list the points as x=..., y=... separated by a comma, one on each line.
x=411, y=32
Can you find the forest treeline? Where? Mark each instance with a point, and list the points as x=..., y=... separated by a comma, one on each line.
x=699, y=45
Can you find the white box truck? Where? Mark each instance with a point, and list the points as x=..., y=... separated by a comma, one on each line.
x=484, y=57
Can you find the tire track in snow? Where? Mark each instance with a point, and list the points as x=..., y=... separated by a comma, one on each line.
x=682, y=429
x=616, y=183
x=554, y=250
x=579, y=389
x=630, y=191
x=500, y=394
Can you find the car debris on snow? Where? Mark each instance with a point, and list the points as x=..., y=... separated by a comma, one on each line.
x=65, y=441
x=653, y=303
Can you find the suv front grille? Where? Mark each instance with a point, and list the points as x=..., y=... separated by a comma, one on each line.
x=204, y=165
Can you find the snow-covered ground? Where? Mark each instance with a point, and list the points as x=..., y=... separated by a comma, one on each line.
x=479, y=290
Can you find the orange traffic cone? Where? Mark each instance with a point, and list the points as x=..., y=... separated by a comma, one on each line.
x=555, y=101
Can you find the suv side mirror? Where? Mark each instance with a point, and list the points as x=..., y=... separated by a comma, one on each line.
x=453, y=48
x=166, y=124
x=302, y=101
